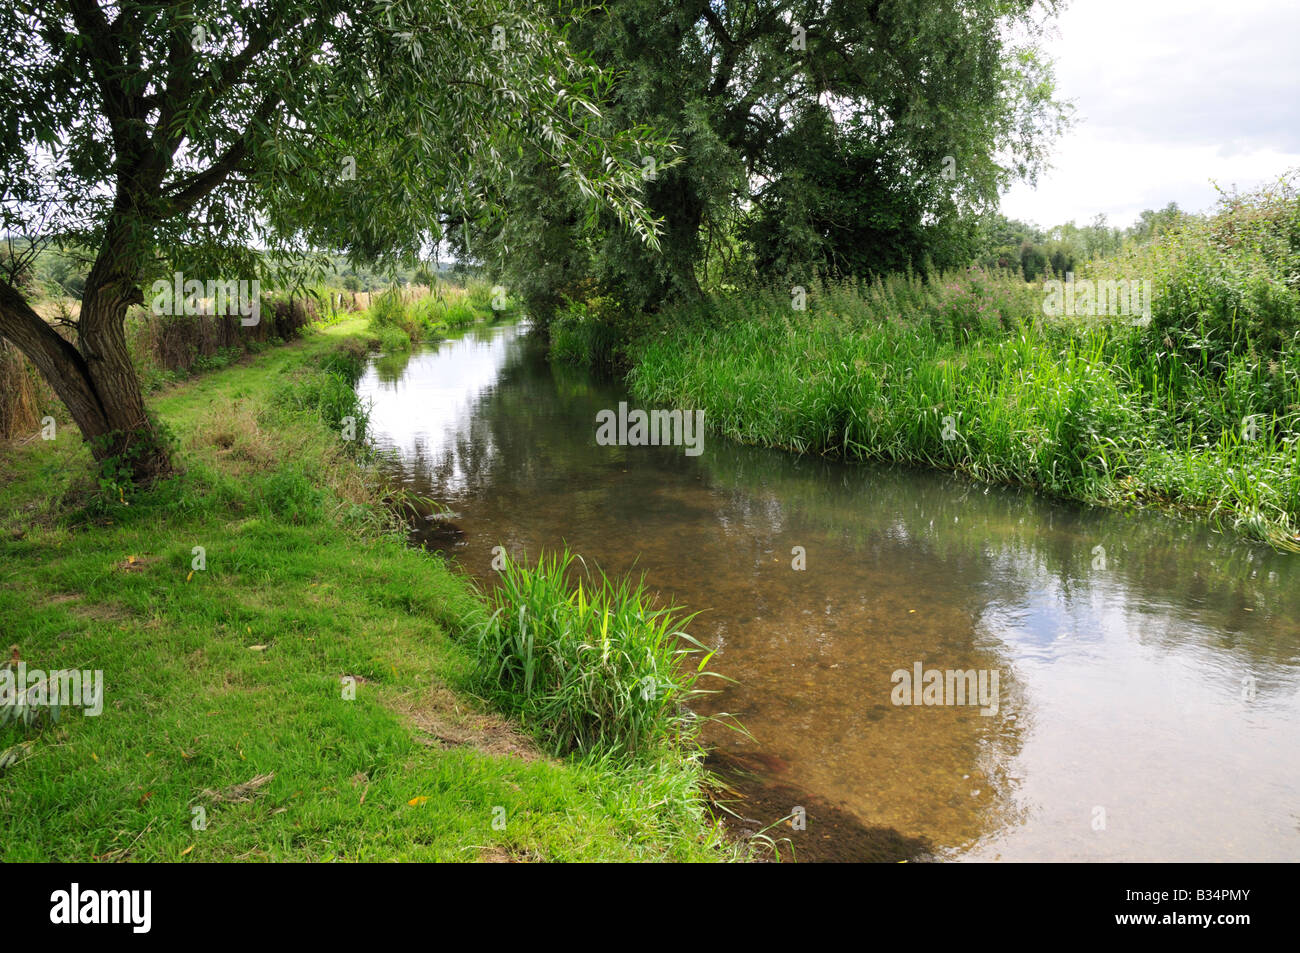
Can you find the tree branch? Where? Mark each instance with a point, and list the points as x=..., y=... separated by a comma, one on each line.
x=54, y=357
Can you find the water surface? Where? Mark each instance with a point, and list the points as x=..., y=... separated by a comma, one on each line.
x=1149, y=670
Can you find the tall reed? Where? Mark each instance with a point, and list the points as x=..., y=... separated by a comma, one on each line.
x=589, y=664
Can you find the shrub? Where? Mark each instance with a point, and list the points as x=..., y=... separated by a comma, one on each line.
x=394, y=339
x=388, y=311
x=1229, y=284
x=592, y=333
x=162, y=343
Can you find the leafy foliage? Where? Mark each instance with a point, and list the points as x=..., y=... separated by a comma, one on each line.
x=814, y=139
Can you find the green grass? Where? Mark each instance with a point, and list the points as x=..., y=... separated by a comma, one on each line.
x=393, y=340
x=592, y=667
x=1095, y=410
x=216, y=677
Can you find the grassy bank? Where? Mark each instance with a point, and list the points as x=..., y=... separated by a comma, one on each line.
x=227, y=687
x=1193, y=407
x=1083, y=413
x=398, y=321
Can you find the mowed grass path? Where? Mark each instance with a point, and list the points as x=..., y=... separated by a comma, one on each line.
x=219, y=678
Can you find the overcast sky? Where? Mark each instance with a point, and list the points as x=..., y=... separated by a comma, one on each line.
x=1170, y=94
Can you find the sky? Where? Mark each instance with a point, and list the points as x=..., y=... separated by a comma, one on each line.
x=1170, y=96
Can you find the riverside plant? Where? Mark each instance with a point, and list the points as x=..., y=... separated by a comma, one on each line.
x=398, y=324
x=593, y=668
x=395, y=324
x=1193, y=419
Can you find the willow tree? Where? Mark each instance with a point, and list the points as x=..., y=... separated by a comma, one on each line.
x=842, y=136
x=229, y=137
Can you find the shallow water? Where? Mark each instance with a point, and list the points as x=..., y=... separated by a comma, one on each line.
x=1149, y=690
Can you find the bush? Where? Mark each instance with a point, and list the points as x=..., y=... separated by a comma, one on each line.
x=1229, y=284
x=388, y=311
x=592, y=334
x=394, y=339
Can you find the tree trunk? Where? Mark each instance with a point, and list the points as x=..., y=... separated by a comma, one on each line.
x=131, y=436
x=98, y=384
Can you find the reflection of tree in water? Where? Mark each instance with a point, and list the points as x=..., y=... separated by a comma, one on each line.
x=1169, y=570
x=390, y=367
x=527, y=433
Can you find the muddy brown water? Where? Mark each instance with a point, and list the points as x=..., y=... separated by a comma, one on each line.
x=1149, y=669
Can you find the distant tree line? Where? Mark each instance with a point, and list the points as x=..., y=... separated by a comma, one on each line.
x=1012, y=245
x=61, y=272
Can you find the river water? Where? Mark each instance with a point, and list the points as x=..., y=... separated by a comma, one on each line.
x=1148, y=702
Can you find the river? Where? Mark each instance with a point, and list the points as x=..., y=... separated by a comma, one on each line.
x=1148, y=694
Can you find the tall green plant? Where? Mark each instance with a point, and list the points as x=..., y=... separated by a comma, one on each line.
x=589, y=664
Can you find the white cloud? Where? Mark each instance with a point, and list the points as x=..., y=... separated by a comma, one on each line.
x=1170, y=94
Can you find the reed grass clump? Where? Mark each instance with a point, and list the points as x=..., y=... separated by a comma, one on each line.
x=589, y=664
x=22, y=394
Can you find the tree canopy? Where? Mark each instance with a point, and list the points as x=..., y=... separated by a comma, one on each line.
x=224, y=138
x=852, y=137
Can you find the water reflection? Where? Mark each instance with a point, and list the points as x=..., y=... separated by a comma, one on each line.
x=1149, y=669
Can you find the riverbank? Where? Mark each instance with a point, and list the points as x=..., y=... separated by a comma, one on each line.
x=1166, y=376
x=281, y=678
x=1079, y=413
x=962, y=375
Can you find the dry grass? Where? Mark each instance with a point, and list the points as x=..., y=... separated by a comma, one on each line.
x=443, y=718
x=231, y=434
x=239, y=793
x=20, y=394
